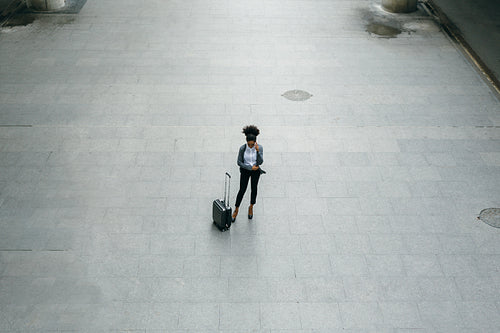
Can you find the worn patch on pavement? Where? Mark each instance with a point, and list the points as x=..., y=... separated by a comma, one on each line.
x=383, y=30
x=383, y=24
x=490, y=216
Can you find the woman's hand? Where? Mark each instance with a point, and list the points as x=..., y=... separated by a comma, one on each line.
x=256, y=147
x=255, y=167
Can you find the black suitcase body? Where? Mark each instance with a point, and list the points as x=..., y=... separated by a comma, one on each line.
x=221, y=211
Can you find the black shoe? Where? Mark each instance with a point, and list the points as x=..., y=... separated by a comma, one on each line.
x=233, y=219
x=250, y=216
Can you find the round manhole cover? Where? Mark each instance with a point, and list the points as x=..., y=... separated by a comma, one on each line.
x=490, y=216
x=297, y=95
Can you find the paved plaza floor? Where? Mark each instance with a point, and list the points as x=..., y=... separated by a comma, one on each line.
x=116, y=128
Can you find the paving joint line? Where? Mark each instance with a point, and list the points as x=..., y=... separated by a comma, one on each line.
x=30, y=250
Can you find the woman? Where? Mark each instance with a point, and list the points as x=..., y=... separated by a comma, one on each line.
x=250, y=157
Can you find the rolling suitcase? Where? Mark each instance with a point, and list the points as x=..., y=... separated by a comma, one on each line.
x=221, y=211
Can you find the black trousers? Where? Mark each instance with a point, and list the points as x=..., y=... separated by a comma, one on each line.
x=245, y=175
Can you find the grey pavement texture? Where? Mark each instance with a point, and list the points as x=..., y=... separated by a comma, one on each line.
x=116, y=127
x=479, y=22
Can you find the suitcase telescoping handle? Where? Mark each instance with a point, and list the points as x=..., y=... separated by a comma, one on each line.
x=227, y=185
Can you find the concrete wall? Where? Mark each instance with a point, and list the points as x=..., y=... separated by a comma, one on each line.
x=479, y=22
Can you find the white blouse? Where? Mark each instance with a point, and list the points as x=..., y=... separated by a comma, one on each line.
x=250, y=156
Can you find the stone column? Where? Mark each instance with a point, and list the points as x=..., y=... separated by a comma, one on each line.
x=46, y=5
x=400, y=6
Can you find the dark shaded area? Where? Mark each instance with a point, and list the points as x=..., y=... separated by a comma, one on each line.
x=15, y=13
x=10, y=7
x=25, y=17
x=72, y=7
x=478, y=21
x=4, y=4
x=21, y=19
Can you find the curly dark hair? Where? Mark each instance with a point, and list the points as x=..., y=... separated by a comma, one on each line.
x=251, y=130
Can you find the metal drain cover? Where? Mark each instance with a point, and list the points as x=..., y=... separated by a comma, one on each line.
x=297, y=95
x=490, y=216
